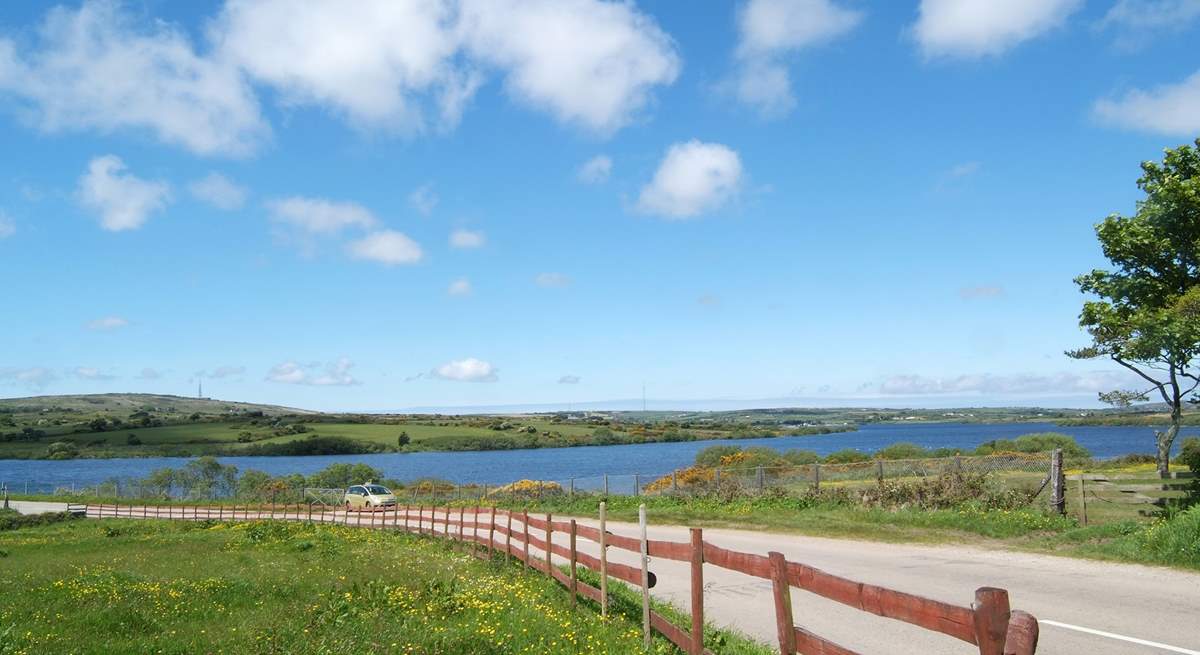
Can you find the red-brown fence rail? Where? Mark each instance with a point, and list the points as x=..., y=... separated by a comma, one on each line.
x=987, y=624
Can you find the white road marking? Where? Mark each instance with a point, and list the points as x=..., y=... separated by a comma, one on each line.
x=1110, y=635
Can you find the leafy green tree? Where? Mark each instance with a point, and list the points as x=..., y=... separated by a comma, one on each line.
x=403, y=440
x=342, y=475
x=1145, y=314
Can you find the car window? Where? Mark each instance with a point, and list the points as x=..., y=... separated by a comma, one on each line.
x=377, y=490
x=357, y=491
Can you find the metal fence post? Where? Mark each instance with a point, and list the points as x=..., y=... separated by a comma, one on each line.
x=637, y=485
x=760, y=478
x=605, y=485
x=572, y=486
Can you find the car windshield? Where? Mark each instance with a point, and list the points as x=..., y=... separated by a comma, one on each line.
x=377, y=490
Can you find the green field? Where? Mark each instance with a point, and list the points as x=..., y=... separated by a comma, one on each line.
x=118, y=586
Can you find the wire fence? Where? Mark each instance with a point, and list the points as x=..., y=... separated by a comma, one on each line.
x=1026, y=472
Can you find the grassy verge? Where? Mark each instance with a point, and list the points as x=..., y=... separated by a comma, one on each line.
x=274, y=587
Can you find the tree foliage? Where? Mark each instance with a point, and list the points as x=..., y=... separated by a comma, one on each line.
x=1144, y=312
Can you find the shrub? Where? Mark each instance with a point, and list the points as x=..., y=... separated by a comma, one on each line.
x=712, y=455
x=1037, y=442
x=846, y=456
x=944, y=492
x=62, y=450
x=902, y=450
x=1189, y=454
x=133, y=440
x=800, y=456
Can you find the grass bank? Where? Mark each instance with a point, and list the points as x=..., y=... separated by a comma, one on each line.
x=274, y=587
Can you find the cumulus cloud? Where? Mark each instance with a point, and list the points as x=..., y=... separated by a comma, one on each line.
x=320, y=216
x=332, y=374
x=123, y=200
x=410, y=66
x=96, y=68
x=769, y=30
x=466, y=239
x=693, y=178
x=552, y=280
x=1137, y=21
x=585, y=62
x=982, y=291
x=1055, y=383
x=423, y=199
x=971, y=29
x=90, y=373
x=460, y=287
x=107, y=323
x=569, y=379
x=35, y=377
x=1171, y=109
x=466, y=370
x=8, y=226
x=218, y=191
x=595, y=170
x=386, y=247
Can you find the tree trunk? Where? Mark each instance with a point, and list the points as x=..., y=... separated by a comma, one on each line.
x=1165, y=439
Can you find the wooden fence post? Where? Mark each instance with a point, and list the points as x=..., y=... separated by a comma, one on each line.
x=991, y=619
x=645, y=576
x=784, y=624
x=462, y=524
x=572, y=487
x=1082, y=500
x=1058, y=500
x=879, y=471
x=1022, y=634
x=525, y=527
x=549, y=540
x=697, y=591
x=574, y=573
x=817, y=477
x=603, y=559
x=760, y=478
x=674, y=482
x=492, y=530
x=508, y=536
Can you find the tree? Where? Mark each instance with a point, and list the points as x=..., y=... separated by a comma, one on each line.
x=1145, y=314
x=403, y=439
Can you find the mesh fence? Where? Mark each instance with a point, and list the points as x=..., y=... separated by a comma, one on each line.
x=1024, y=472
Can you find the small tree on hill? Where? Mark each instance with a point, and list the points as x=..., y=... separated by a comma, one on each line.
x=1146, y=315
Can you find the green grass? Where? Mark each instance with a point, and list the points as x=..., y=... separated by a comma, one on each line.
x=118, y=586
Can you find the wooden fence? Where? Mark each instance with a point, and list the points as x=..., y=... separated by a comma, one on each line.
x=987, y=624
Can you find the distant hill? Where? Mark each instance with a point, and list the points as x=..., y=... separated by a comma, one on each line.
x=132, y=402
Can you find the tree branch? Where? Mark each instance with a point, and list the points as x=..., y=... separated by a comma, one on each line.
x=1161, y=386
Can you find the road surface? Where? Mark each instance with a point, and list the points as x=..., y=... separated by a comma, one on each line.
x=1084, y=607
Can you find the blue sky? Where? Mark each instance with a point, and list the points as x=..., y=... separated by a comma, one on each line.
x=499, y=202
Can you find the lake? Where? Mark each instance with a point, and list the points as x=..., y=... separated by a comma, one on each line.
x=586, y=464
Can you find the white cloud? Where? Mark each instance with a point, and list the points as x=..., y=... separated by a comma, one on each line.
x=984, y=291
x=552, y=280
x=107, y=323
x=978, y=28
x=320, y=216
x=222, y=372
x=149, y=374
x=219, y=191
x=693, y=178
x=569, y=379
x=1137, y=21
x=387, y=247
x=460, y=287
x=410, y=66
x=466, y=370
x=770, y=29
x=332, y=374
x=423, y=199
x=1172, y=109
x=595, y=170
x=8, y=226
x=1054, y=383
x=89, y=373
x=123, y=200
x=586, y=62
x=35, y=377
x=94, y=69
x=467, y=239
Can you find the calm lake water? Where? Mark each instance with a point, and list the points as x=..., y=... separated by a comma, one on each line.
x=586, y=464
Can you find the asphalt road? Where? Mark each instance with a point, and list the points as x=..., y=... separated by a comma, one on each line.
x=1084, y=607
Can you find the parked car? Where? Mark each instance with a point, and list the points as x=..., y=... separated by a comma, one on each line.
x=368, y=497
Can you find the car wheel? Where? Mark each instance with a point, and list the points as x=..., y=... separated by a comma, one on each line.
x=347, y=507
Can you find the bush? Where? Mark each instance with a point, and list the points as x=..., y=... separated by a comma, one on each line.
x=846, y=456
x=1189, y=454
x=800, y=456
x=133, y=440
x=944, y=492
x=313, y=445
x=13, y=520
x=712, y=455
x=1037, y=442
x=62, y=450
x=902, y=450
